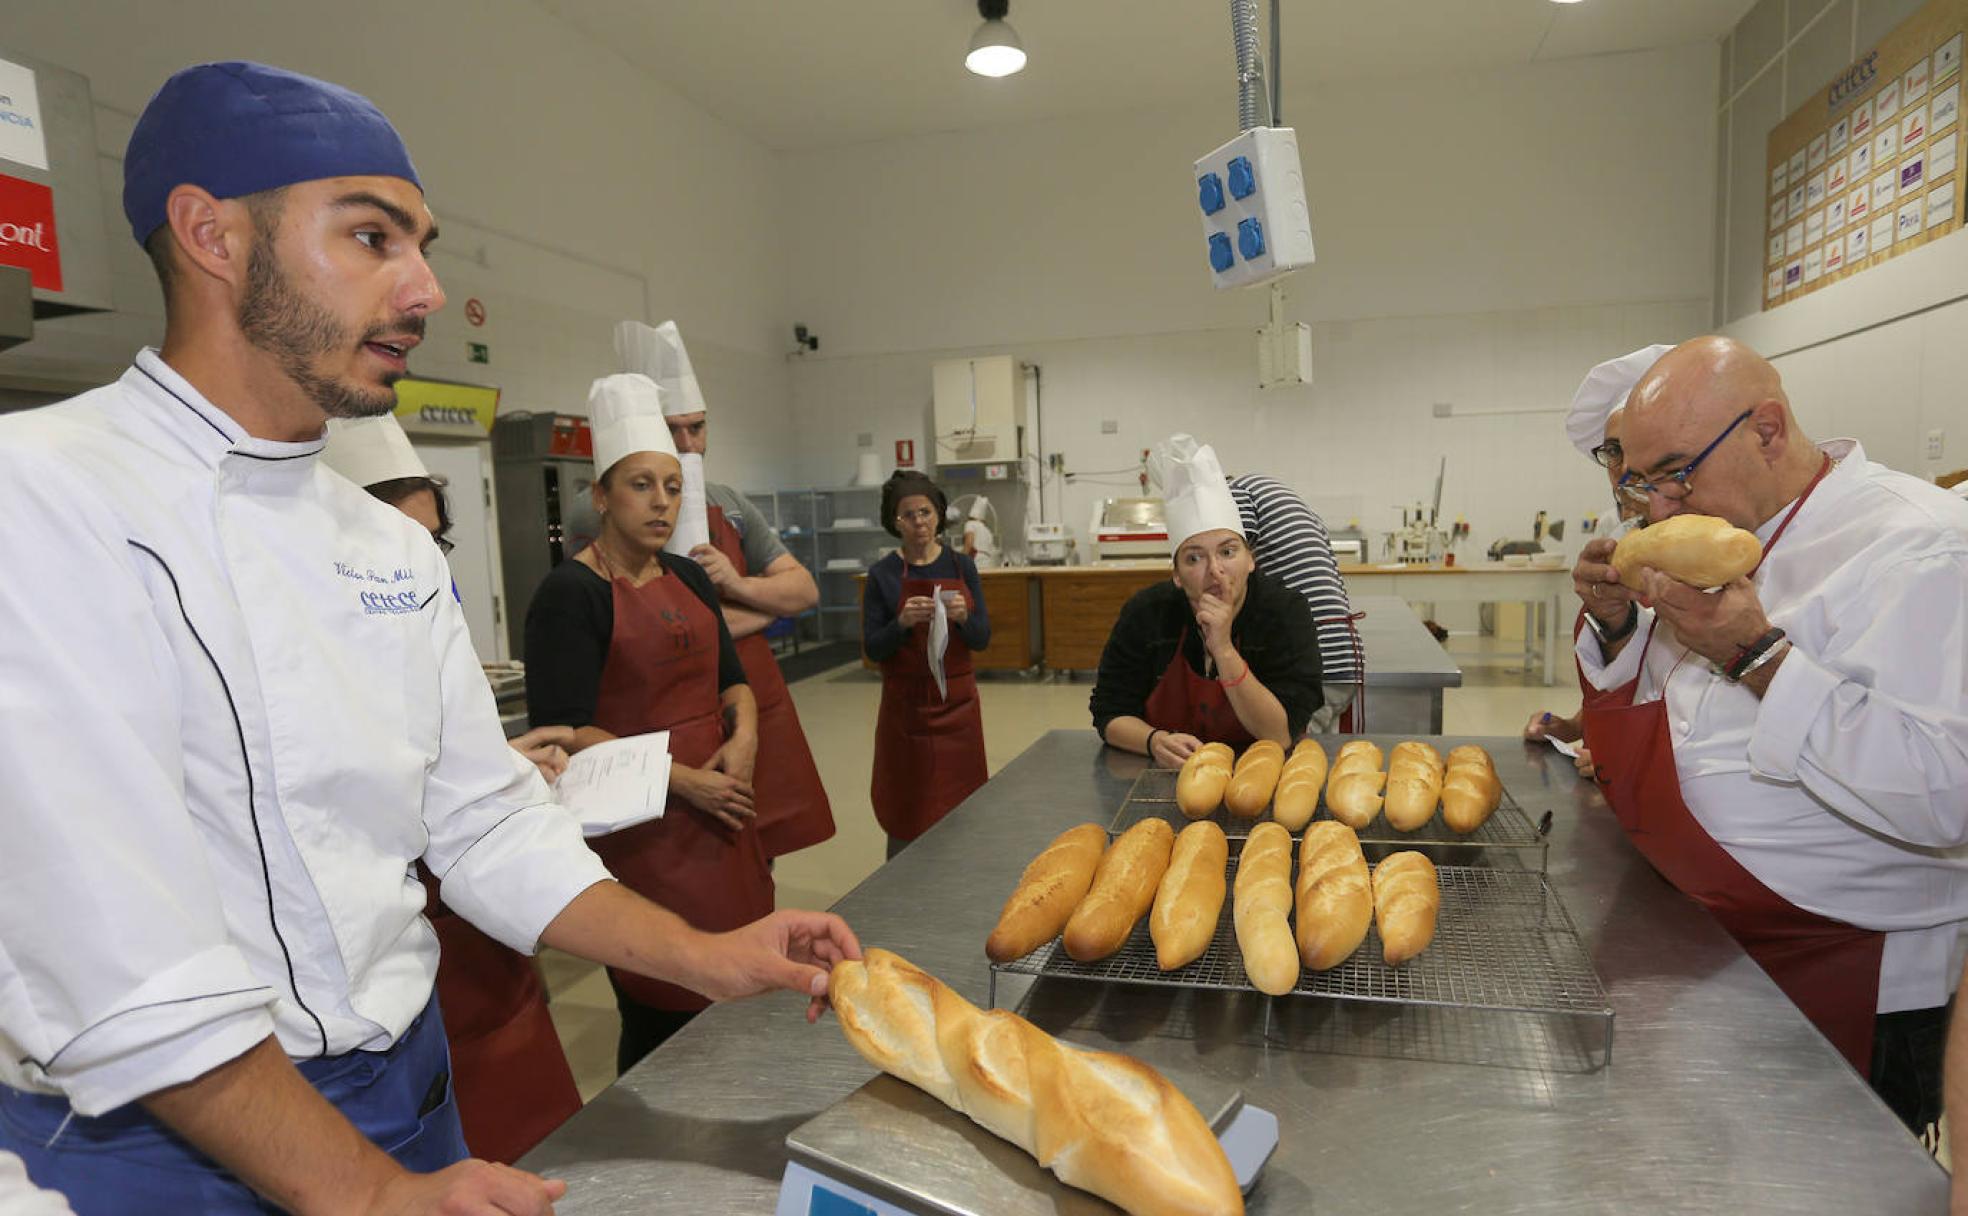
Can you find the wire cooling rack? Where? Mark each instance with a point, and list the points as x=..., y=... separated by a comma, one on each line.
x=1503, y=942
x=1152, y=796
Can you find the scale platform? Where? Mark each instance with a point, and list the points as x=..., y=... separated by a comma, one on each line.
x=889, y=1149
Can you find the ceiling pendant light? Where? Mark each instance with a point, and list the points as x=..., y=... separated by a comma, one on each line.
x=994, y=48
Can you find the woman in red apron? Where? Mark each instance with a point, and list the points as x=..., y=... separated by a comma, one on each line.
x=1218, y=654
x=625, y=640
x=929, y=741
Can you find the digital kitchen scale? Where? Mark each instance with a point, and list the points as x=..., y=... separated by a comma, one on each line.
x=889, y=1149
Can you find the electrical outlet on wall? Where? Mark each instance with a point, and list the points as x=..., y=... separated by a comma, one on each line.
x=1936, y=444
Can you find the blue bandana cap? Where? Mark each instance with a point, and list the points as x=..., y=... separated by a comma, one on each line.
x=239, y=128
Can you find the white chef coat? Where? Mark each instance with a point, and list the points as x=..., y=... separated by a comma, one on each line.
x=1844, y=789
x=239, y=703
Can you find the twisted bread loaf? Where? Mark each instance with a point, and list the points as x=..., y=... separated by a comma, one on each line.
x=1699, y=550
x=1406, y=898
x=1051, y=887
x=1263, y=910
x=1297, y=796
x=1190, y=898
x=1414, y=785
x=1335, y=895
x=1471, y=791
x=1123, y=887
x=1199, y=787
x=1102, y=1122
x=1255, y=776
x=1353, y=788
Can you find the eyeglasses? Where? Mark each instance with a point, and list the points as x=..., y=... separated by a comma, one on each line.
x=1609, y=454
x=1674, y=486
x=916, y=516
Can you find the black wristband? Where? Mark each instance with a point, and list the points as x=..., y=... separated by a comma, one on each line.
x=1150, y=748
x=1609, y=637
x=1748, y=655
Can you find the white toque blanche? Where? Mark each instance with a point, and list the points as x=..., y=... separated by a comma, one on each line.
x=625, y=412
x=1198, y=494
x=369, y=451
x=657, y=352
x=1604, y=390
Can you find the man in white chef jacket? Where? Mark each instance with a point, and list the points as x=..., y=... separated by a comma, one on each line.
x=1803, y=774
x=240, y=702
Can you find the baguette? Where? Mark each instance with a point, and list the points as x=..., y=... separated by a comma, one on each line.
x=1123, y=887
x=1414, y=785
x=1353, y=786
x=1335, y=895
x=1471, y=791
x=1298, y=786
x=1253, y=780
x=1047, y=892
x=1263, y=909
x=1100, y=1121
x=1199, y=788
x=1406, y=899
x=1699, y=550
x=1190, y=898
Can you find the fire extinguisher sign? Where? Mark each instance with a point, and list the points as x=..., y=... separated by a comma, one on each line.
x=905, y=453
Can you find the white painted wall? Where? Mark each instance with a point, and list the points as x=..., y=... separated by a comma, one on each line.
x=1482, y=241
x=573, y=190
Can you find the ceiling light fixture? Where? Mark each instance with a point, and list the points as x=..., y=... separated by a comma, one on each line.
x=994, y=48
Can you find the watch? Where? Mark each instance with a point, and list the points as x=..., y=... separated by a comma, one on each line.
x=1608, y=637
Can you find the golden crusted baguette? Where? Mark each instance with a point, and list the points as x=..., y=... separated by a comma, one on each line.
x=1190, y=898
x=1263, y=910
x=1123, y=887
x=1047, y=892
x=1406, y=899
x=1354, y=783
x=1335, y=895
x=1699, y=550
x=1199, y=787
x=1297, y=797
x=1414, y=785
x=1255, y=776
x=1471, y=791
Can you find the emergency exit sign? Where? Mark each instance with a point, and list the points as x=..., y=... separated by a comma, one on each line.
x=477, y=352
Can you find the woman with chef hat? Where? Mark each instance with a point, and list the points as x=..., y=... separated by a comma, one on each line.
x=1221, y=653
x=508, y=1071
x=626, y=639
x=929, y=735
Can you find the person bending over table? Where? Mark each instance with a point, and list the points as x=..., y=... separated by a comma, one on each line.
x=1220, y=653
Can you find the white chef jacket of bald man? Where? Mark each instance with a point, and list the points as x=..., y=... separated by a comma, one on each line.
x=1844, y=789
x=239, y=702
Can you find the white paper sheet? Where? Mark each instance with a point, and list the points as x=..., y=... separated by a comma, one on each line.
x=617, y=784
x=939, y=645
x=1561, y=747
x=693, y=525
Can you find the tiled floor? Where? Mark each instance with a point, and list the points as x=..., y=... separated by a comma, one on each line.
x=837, y=709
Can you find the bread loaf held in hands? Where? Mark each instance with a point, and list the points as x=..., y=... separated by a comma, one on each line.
x=1123, y=888
x=1699, y=550
x=1101, y=1121
x=1297, y=796
x=1047, y=893
x=1204, y=776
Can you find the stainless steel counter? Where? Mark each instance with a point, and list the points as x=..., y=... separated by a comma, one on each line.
x=1407, y=669
x=1720, y=1096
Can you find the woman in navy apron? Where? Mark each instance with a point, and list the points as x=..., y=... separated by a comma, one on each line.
x=625, y=639
x=929, y=741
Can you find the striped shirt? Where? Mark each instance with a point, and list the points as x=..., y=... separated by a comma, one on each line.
x=1290, y=543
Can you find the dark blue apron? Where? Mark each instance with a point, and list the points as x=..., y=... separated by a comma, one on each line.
x=126, y=1161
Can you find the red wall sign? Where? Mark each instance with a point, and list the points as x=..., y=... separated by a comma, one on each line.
x=474, y=311
x=905, y=453
x=27, y=231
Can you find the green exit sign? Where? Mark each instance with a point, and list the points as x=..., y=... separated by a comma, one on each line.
x=477, y=352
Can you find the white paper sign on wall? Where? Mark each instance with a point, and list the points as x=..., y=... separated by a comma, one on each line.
x=21, y=138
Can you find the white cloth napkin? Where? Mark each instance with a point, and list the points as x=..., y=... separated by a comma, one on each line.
x=693, y=525
x=939, y=643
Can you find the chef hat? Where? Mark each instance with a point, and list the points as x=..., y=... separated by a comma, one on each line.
x=1604, y=390
x=657, y=352
x=239, y=128
x=1198, y=496
x=625, y=412
x=1178, y=446
x=368, y=451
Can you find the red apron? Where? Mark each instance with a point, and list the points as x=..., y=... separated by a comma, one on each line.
x=662, y=674
x=1184, y=701
x=508, y=1072
x=793, y=812
x=929, y=750
x=1828, y=968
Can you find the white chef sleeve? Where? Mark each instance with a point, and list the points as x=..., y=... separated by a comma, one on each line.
x=117, y=977
x=507, y=857
x=1625, y=666
x=1877, y=724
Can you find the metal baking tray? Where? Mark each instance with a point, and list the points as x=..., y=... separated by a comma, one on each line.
x=1503, y=942
x=1152, y=796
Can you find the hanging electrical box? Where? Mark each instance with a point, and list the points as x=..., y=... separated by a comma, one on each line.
x=980, y=404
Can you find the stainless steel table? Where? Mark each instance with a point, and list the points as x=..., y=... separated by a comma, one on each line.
x=1407, y=669
x=1720, y=1096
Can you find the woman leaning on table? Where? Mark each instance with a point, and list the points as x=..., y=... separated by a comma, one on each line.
x=929, y=743
x=1220, y=653
x=625, y=639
